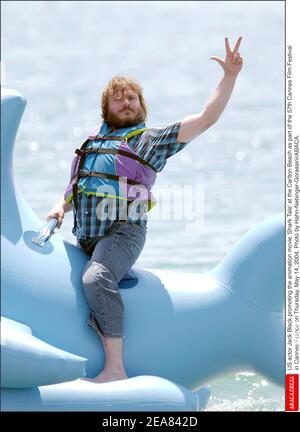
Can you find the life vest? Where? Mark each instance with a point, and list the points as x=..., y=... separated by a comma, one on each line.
x=108, y=167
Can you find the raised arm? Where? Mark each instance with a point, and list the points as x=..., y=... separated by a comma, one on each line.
x=196, y=124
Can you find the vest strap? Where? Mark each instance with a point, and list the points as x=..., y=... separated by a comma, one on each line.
x=108, y=137
x=135, y=132
x=83, y=173
x=81, y=152
x=119, y=138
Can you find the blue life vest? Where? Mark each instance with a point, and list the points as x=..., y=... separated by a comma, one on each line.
x=108, y=167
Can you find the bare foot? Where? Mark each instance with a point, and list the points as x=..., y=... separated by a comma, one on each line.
x=108, y=375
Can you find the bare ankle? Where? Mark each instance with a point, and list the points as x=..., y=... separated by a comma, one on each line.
x=114, y=367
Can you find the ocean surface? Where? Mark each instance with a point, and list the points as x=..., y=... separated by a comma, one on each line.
x=60, y=55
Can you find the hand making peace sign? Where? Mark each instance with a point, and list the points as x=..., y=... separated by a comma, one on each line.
x=233, y=61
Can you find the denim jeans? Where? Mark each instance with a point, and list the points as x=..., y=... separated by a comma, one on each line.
x=112, y=257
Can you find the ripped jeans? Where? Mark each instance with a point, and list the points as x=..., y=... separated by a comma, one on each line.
x=112, y=256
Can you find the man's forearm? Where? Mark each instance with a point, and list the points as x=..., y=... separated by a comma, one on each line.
x=196, y=124
x=64, y=204
x=218, y=100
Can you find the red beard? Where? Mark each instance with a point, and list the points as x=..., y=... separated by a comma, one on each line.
x=115, y=122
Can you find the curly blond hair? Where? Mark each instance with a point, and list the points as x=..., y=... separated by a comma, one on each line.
x=118, y=83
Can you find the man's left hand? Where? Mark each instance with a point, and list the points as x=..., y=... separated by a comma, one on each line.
x=233, y=61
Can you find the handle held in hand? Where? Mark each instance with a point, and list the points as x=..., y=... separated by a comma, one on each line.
x=45, y=233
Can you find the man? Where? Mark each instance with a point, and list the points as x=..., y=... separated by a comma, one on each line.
x=115, y=169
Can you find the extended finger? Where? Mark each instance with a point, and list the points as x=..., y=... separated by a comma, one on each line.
x=237, y=45
x=218, y=59
x=227, y=46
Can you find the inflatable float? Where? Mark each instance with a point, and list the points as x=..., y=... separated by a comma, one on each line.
x=181, y=329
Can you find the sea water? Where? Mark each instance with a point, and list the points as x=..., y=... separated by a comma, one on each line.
x=60, y=55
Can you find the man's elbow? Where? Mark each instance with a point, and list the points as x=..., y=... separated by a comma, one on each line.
x=209, y=121
x=187, y=136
